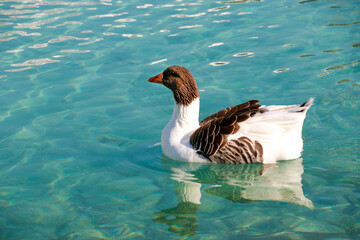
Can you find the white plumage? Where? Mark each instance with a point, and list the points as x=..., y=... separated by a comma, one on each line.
x=245, y=133
x=278, y=130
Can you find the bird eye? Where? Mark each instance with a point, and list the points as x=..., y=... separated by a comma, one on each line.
x=175, y=74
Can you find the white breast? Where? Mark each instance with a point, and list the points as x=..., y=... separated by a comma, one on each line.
x=176, y=135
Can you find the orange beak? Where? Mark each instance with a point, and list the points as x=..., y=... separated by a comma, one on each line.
x=156, y=79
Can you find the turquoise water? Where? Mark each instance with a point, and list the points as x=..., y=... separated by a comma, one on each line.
x=80, y=125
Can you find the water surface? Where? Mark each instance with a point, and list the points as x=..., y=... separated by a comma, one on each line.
x=80, y=125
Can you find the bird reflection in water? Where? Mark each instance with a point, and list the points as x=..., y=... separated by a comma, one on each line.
x=238, y=183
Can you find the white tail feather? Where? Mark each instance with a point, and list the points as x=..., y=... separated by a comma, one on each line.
x=278, y=129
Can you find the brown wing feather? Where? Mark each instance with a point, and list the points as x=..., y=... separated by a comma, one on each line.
x=211, y=138
x=239, y=151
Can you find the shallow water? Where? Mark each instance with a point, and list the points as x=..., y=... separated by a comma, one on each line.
x=80, y=125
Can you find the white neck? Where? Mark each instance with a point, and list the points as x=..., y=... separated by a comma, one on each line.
x=187, y=116
x=176, y=134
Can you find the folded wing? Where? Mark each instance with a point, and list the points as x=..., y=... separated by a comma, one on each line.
x=211, y=138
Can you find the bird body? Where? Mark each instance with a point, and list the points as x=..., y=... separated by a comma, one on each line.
x=245, y=133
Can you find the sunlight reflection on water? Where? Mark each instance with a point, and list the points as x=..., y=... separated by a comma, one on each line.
x=80, y=127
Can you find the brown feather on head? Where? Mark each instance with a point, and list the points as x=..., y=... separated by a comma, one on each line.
x=180, y=81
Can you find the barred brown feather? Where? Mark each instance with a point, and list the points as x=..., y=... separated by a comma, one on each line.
x=211, y=138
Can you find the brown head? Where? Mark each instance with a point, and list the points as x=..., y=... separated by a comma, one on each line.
x=180, y=81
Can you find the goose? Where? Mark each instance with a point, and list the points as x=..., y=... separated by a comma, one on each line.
x=241, y=134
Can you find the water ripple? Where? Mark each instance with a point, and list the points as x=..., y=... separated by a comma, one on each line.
x=15, y=50
x=323, y=74
x=342, y=66
x=220, y=63
x=35, y=62
x=17, y=69
x=40, y=45
x=243, y=54
x=56, y=3
x=190, y=26
x=332, y=50
x=7, y=39
x=145, y=6
x=50, y=12
x=110, y=34
x=220, y=21
x=16, y=12
x=307, y=55
x=74, y=51
x=223, y=14
x=21, y=33
x=218, y=9
x=38, y=24
x=109, y=15
x=342, y=24
x=239, y=1
x=244, y=13
x=66, y=23
x=307, y=1
x=281, y=70
x=66, y=38
x=159, y=61
x=90, y=42
x=6, y=23
x=126, y=20
x=165, y=6
x=288, y=45
x=132, y=35
x=25, y=6
x=191, y=4
x=344, y=81
x=188, y=16
x=216, y=44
